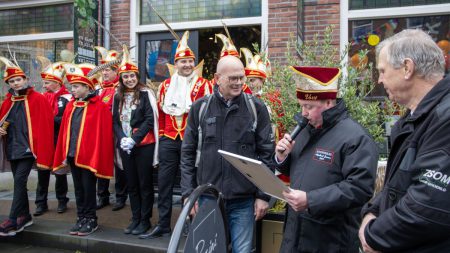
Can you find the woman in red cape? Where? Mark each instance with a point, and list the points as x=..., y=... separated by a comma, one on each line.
x=26, y=133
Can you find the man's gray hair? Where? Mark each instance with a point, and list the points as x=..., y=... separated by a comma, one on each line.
x=420, y=48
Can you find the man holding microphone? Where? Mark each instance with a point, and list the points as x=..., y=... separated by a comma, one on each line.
x=332, y=165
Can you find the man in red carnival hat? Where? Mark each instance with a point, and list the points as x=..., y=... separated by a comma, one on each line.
x=331, y=164
x=58, y=97
x=109, y=60
x=175, y=98
x=26, y=121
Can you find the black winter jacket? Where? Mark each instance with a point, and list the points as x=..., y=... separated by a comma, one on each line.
x=335, y=165
x=226, y=127
x=413, y=209
x=63, y=100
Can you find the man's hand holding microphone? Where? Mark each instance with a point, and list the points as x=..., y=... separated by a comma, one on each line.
x=285, y=145
x=296, y=199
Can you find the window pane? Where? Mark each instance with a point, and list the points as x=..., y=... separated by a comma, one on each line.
x=192, y=10
x=370, y=4
x=26, y=54
x=361, y=30
x=44, y=19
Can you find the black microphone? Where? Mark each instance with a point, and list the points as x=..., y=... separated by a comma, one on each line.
x=301, y=123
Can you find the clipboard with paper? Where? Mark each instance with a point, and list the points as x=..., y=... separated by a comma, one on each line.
x=257, y=173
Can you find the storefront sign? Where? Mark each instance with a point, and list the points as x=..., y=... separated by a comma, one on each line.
x=85, y=31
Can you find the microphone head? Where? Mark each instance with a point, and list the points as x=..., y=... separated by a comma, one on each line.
x=301, y=121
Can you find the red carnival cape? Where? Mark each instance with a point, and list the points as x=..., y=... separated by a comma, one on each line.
x=52, y=98
x=107, y=92
x=40, y=124
x=95, y=148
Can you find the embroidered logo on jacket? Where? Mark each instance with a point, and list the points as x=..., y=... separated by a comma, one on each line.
x=323, y=155
x=435, y=179
x=106, y=99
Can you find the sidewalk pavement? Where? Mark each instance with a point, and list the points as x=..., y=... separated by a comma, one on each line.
x=51, y=229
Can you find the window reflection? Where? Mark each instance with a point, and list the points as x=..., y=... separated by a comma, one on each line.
x=26, y=54
x=44, y=19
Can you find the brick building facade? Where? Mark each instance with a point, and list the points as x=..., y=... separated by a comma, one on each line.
x=42, y=28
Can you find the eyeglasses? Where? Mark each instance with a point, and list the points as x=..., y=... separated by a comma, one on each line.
x=235, y=79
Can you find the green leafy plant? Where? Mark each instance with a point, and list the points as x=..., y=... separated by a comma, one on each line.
x=355, y=83
x=85, y=9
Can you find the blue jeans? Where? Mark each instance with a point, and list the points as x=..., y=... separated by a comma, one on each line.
x=241, y=219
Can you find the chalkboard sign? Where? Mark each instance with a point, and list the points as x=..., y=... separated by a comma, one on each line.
x=85, y=31
x=207, y=231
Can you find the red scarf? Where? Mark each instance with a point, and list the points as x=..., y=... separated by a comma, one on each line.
x=113, y=83
x=53, y=97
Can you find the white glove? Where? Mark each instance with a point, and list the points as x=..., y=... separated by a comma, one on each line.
x=126, y=144
x=122, y=143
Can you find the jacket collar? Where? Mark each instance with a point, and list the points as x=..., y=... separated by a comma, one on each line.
x=431, y=99
x=335, y=114
x=228, y=103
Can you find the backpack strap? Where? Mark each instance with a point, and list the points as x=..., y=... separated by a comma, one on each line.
x=201, y=115
x=250, y=102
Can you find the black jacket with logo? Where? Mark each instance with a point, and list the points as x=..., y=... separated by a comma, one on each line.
x=227, y=127
x=413, y=209
x=335, y=165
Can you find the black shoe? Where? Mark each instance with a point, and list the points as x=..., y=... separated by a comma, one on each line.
x=102, y=203
x=118, y=205
x=89, y=227
x=143, y=227
x=131, y=227
x=80, y=222
x=62, y=206
x=158, y=231
x=40, y=210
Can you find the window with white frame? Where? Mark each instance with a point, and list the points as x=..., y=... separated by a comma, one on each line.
x=195, y=10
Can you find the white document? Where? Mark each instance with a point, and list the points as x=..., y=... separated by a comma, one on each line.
x=258, y=173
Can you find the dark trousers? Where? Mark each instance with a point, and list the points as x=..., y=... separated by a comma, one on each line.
x=103, y=189
x=139, y=172
x=169, y=165
x=120, y=187
x=84, y=183
x=42, y=187
x=21, y=170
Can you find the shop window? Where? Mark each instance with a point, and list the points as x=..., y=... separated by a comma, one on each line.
x=159, y=52
x=44, y=19
x=372, y=4
x=366, y=34
x=193, y=10
x=26, y=56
